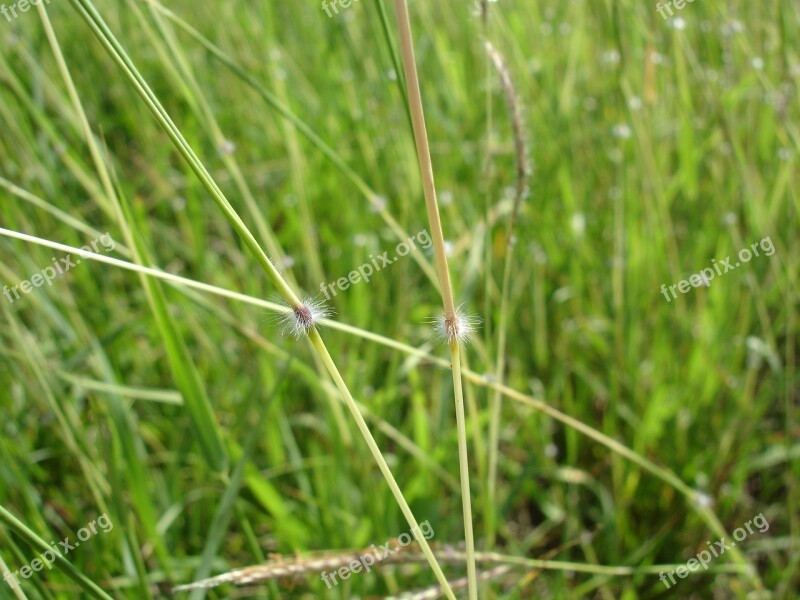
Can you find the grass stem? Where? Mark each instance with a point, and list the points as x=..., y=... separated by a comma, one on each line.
x=440, y=253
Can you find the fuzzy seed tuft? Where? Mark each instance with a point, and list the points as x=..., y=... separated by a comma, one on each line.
x=457, y=327
x=301, y=319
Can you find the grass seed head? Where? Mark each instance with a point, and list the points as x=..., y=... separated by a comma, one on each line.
x=457, y=327
x=301, y=319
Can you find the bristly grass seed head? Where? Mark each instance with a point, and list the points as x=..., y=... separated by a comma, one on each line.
x=458, y=327
x=300, y=319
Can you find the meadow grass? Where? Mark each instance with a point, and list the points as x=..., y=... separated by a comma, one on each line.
x=611, y=432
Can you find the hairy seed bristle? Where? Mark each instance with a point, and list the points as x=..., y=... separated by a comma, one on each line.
x=457, y=327
x=302, y=318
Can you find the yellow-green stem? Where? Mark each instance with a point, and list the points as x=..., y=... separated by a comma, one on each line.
x=429, y=188
x=497, y=399
x=424, y=156
x=466, y=504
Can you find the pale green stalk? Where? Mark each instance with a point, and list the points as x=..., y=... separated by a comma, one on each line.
x=490, y=494
x=450, y=316
x=502, y=328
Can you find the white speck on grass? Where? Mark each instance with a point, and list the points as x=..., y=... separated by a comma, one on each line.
x=227, y=147
x=578, y=224
x=678, y=24
x=538, y=253
x=562, y=294
x=703, y=500
x=615, y=155
x=622, y=131
x=378, y=204
x=286, y=262
x=611, y=57
x=732, y=27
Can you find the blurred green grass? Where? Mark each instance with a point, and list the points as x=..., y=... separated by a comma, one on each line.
x=654, y=149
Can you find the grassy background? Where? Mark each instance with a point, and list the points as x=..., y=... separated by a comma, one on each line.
x=654, y=147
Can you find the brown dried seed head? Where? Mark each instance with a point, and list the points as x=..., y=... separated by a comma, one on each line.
x=304, y=316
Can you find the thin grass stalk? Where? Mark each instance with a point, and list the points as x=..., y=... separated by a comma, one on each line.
x=489, y=494
x=401, y=84
x=452, y=322
x=502, y=328
x=98, y=26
